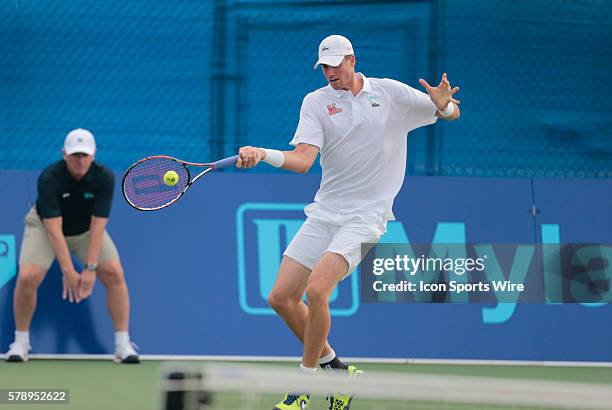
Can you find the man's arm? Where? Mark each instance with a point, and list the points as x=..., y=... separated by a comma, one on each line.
x=71, y=278
x=299, y=160
x=88, y=277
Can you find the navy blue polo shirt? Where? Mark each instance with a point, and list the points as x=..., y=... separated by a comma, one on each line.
x=75, y=201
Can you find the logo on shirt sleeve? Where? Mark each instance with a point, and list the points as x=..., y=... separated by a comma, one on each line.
x=88, y=195
x=332, y=109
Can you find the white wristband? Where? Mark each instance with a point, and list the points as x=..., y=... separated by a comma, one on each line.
x=448, y=111
x=274, y=157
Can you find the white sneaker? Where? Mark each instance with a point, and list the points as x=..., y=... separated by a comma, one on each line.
x=125, y=353
x=18, y=352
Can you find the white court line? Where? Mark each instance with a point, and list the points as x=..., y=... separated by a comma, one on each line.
x=225, y=358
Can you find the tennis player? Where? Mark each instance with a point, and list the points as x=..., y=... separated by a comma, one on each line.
x=359, y=125
x=70, y=215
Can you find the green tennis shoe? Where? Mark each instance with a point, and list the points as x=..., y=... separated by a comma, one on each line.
x=293, y=402
x=343, y=401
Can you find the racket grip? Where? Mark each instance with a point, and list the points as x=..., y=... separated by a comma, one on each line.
x=225, y=162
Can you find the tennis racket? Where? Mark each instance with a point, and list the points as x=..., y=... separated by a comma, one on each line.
x=157, y=182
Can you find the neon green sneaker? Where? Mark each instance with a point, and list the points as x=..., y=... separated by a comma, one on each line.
x=343, y=401
x=354, y=371
x=293, y=402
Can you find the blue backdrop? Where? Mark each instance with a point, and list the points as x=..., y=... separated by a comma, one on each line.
x=195, y=79
x=198, y=272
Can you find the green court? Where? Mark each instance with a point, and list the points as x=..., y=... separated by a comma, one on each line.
x=101, y=384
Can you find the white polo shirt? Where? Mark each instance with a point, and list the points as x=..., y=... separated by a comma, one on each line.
x=363, y=145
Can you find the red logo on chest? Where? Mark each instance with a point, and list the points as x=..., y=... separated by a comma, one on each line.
x=332, y=109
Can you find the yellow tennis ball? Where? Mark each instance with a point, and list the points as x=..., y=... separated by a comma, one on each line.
x=171, y=178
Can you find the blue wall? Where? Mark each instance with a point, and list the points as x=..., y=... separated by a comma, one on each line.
x=196, y=280
x=196, y=79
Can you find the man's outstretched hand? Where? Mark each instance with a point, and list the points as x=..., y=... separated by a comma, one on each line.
x=442, y=94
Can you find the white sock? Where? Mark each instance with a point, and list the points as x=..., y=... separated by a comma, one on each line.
x=328, y=358
x=22, y=337
x=308, y=370
x=122, y=337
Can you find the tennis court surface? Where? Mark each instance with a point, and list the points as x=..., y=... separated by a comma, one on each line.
x=101, y=384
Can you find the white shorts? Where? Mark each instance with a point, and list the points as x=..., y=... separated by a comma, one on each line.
x=316, y=237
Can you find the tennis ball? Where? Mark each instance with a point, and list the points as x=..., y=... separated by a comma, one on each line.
x=171, y=178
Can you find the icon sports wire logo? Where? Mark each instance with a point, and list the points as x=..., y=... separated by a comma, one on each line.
x=263, y=231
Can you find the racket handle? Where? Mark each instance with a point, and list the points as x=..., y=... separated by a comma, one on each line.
x=225, y=162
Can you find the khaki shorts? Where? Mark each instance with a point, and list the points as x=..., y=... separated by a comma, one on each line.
x=36, y=246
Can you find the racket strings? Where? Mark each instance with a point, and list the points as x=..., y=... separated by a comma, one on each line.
x=144, y=184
